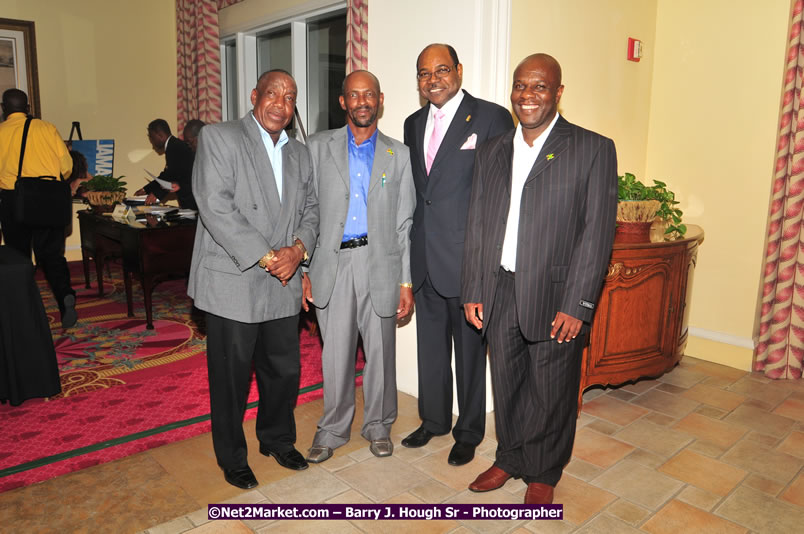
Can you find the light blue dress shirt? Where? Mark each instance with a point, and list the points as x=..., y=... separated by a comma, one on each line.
x=274, y=153
x=361, y=161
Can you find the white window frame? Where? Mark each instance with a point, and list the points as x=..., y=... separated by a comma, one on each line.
x=246, y=51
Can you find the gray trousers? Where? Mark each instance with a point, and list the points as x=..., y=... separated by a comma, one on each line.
x=348, y=313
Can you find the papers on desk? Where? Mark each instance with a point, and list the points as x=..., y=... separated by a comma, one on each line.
x=157, y=210
x=167, y=211
x=136, y=200
x=164, y=183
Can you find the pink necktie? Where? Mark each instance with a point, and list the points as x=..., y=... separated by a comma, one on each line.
x=435, y=139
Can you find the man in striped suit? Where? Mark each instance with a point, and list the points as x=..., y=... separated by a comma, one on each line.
x=538, y=241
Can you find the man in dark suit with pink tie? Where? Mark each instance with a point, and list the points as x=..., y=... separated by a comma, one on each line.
x=443, y=137
x=538, y=241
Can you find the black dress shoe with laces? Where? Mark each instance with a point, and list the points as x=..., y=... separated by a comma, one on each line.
x=419, y=438
x=291, y=459
x=461, y=453
x=242, y=477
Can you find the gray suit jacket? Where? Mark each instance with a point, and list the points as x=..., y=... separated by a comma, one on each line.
x=391, y=201
x=241, y=218
x=566, y=227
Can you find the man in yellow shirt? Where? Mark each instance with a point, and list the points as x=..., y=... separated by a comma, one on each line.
x=45, y=155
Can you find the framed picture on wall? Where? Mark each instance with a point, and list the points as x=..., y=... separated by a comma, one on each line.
x=18, y=60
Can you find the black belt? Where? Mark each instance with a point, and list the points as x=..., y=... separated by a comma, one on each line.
x=356, y=242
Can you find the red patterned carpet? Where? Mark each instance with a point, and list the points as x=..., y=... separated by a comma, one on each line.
x=125, y=389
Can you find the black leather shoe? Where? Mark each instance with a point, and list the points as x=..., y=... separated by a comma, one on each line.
x=461, y=453
x=68, y=314
x=418, y=438
x=242, y=477
x=291, y=459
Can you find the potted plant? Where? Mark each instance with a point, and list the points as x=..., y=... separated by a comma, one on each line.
x=640, y=205
x=104, y=191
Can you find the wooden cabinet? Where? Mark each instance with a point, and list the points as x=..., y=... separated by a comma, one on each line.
x=640, y=327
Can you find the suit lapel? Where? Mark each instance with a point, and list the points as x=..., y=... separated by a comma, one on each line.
x=504, y=162
x=262, y=164
x=339, y=151
x=419, y=124
x=557, y=142
x=383, y=156
x=290, y=185
x=459, y=129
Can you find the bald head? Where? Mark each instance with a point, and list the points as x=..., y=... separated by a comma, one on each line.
x=360, y=73
x=546, y=62
x=14, y=101
x=272, y=74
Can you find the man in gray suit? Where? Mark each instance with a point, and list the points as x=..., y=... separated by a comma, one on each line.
x=360, y=270
x=538, y=242
x=258, y=214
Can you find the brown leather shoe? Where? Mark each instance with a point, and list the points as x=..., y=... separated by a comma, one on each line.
x=490, y=479
x=539, y=494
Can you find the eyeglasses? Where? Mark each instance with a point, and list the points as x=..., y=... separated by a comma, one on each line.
x=440, y=72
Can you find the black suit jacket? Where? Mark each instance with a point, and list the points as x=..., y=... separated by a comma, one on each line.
x=178, y=168
x=566, y=227
x=442, y=198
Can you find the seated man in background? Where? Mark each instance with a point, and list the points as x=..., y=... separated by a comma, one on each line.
x=191, y=131
x=178, y=166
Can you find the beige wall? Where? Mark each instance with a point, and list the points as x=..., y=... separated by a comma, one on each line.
x=602, y=90
x=713, y=120
x=109, y=64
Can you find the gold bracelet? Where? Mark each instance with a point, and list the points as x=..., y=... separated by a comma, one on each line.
x=265, y=259
x=407, y=285
x=299, y=244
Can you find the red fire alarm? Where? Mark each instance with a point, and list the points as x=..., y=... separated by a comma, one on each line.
x=634, y=49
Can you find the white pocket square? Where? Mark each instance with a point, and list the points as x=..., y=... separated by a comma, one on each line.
x=470, y=142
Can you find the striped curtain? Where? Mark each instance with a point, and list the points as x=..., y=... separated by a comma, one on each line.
x=779, y=328
x=356, y=35
x=198, y=60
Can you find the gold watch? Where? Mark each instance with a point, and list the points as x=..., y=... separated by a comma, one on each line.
x=304, y=250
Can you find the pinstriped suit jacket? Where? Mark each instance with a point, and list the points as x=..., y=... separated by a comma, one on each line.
x=566, y=227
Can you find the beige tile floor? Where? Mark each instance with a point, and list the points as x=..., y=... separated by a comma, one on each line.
x=705, y=448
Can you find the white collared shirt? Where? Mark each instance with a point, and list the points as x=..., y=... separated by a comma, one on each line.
x=524, y=159
x=274, y=153
x=448, y=109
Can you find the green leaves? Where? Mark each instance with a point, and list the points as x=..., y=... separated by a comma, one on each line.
x=105, y=182
x=629, y=188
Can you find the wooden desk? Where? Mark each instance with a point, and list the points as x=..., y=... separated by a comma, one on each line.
x=152, y=252
x=640, y=328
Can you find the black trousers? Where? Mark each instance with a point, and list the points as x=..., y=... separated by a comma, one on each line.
x=273, y=348
x=440, y=324
x=535, y=389
x=47, y=243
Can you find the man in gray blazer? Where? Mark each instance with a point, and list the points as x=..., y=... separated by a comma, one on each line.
x=538, y=241
x=258, y=214
x=360, y=270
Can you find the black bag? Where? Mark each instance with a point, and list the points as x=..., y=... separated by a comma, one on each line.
x=41, y=200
